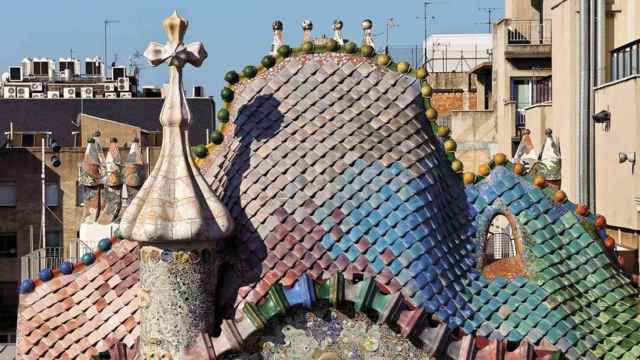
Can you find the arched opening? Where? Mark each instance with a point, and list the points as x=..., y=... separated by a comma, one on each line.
x=502, y=250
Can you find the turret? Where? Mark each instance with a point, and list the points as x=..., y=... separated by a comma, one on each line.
x=178, y=222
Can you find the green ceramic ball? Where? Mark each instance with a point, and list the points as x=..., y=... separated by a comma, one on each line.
x=223, y=115
x=232, y=77
x=284, y=51
x=350, y=47
x=216, y=137
x=367, y=51
x=249, y=71
x=201, y=151
x=227, y=94
x=332, y=45
x=307, y=46
x=268, y=61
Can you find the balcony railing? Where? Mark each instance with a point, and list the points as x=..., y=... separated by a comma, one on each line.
x=521, y=122
x=529, y=32
x=625, y=61
x=51, y=257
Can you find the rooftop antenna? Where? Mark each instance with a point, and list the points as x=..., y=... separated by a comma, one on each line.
x=426, y=18
x=391, y=23
x=106, y=59
x=134, y=64
x=489, y=11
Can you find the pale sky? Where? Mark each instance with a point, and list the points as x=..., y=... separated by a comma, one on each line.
x=235, y=33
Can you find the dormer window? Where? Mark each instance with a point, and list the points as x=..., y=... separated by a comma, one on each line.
x=502, y=250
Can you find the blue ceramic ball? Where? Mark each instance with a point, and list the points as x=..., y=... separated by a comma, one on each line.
x=45, y=274
x=66, y=268
x=27, y=286
x=104, y=244
x=88, y=258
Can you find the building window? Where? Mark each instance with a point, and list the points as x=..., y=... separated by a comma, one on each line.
x=79, y=194
x=52, y=194
x=8, y=293
x=8, y=245
x=53, y=239
x=28, y=140
x=7, y=194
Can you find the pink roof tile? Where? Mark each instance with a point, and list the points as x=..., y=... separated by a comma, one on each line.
x=88, y=311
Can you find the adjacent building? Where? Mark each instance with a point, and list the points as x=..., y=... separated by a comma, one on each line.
x=600, y=96
x=69, y=124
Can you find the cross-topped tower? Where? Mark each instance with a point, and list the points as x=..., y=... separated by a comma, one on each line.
x=178, y=221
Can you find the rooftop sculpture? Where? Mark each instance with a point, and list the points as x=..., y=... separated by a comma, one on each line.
x=342, y=189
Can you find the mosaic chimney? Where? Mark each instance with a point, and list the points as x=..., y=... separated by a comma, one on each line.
x=307, y=28
x=177, y=220
x=278, y=41
x=367, y=37
x=337, y=31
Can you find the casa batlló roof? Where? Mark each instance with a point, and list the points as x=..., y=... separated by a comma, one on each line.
x=342, y=189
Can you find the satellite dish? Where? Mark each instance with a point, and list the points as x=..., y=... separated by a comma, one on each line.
x=5, y=77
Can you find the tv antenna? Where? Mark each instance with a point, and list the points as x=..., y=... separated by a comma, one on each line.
x=134, y=64
x=489, y=11
x=107, y=22
x=391, y=23
x=426, y=17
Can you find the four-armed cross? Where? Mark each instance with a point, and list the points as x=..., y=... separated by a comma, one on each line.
x=175, y=52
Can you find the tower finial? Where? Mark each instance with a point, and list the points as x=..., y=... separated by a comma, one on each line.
x=307, y=27
x=337, y=31
x=189, y=211
x=177, y=219
x=278, y=41
x=367, y=38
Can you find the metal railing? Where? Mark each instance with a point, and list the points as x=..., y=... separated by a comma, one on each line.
x=521, y=122
x=529, y=32
x=625, y=61
x=51, y=257
x=441, y=58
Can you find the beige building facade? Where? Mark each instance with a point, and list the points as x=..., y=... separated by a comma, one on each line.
x=615, y=85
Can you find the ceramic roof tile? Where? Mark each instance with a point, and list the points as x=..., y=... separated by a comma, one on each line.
x=330, y=166
x=85, y=313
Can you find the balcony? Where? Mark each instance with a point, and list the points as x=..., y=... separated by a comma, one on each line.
x=51, y=257
x=528, y=39
x=625, y=61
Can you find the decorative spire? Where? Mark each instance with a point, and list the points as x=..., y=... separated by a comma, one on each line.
x=307, y=27
x=526, y=152
x=337, y=31
x=278, y=41
x=134, y=173
x=175, y=204
x=113, y=165
x=367, y=39
x=550, y=157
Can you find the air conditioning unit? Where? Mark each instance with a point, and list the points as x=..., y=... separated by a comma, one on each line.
x=38, y=96
x=15, y=73
x=53, y=95
x=109, y=87
x=9, y=92
x=23, y=93
x=86, y=92
x=69, y=93
x=123, y=84
x=125, y=95
x=110, y=95
x=36, y=86
x=118, y=72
